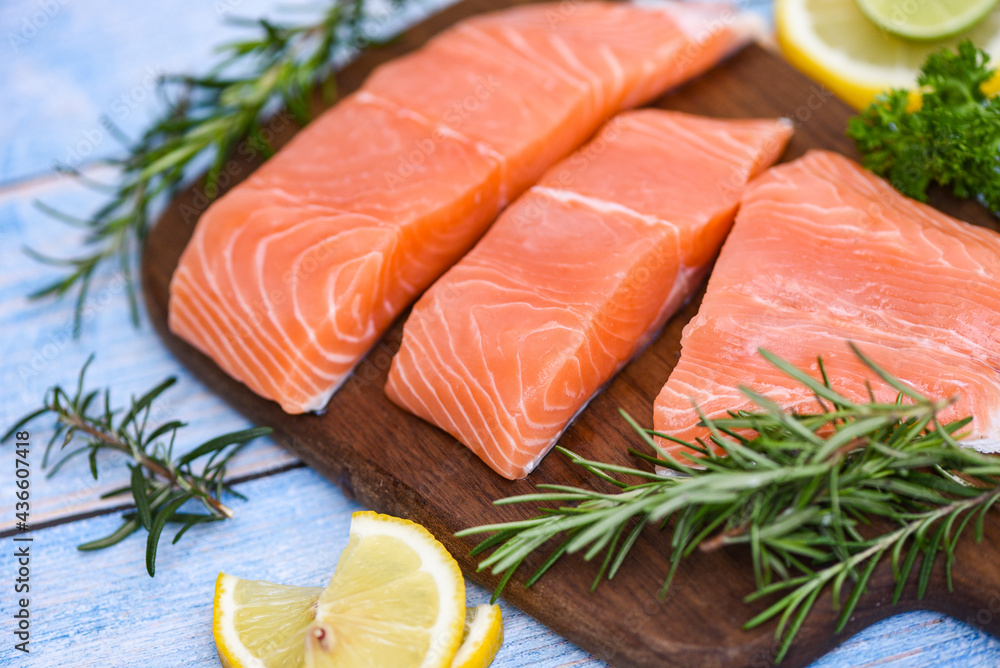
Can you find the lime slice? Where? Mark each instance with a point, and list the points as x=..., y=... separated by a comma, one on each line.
x=833, y=42
x=926, y=19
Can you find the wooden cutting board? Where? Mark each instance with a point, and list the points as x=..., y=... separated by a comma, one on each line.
x=395, y=463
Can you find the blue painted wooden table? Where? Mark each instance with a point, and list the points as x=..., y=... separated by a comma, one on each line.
x=63, y=64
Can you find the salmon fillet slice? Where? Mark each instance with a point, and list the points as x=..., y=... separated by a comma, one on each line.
x=823, y=252
x=536, y=81
x=292, y=276
x=573, y=279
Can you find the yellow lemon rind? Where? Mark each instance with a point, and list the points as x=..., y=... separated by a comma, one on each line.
x=223, y=606
x=858, y=94
x=483, y=640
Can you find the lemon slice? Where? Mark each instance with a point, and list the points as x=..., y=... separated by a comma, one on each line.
x=482, y=638
x=926, y=19
x=833, y=42
x=397, y=599
x=259, y=624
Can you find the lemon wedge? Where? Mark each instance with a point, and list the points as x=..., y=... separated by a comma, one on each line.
x=259, y=624
x=397, y=599
x=833, y=42
x=482, y=637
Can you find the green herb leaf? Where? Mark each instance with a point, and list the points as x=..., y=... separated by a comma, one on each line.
x=163, y=515
x=221, y=442
x=952, y=140
x=120, y=534
x=140, y=496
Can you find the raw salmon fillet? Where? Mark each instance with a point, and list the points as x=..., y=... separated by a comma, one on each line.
x=573, y=279
x=293, y=275
x=822, y=253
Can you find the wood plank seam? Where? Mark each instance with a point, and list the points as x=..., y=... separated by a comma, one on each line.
x=117, y=507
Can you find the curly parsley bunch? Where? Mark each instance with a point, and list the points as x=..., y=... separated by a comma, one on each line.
x=952, y=140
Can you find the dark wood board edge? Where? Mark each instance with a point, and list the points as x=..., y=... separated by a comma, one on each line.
x=632, y=641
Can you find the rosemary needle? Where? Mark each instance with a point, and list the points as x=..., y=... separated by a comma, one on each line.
x=799, y=491
x=159, y=482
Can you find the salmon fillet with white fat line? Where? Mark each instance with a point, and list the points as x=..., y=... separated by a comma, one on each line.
x=573, y=279
x=824, y=252
x=293, y=275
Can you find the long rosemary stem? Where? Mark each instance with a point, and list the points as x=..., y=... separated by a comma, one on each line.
x=173, y=478
x=160, y=483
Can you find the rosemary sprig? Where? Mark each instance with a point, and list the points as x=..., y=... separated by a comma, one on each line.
x=159, y=482
x=206, y=115
x=801, y=492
